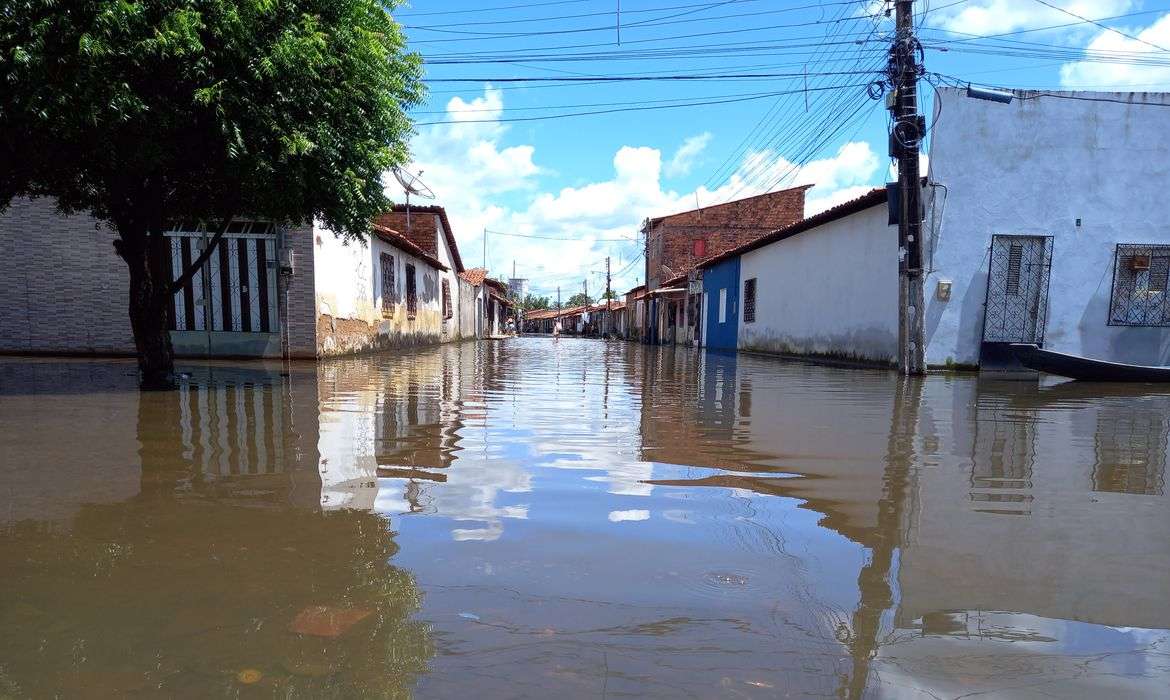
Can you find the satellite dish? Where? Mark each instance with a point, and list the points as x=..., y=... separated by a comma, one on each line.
x=412, y=184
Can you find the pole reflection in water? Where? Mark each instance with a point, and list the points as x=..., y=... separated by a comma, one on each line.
x=580, y=519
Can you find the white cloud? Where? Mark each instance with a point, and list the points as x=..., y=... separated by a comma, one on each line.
x=996, y=16
x=1082, y=74
x=626, y=516
x=686, y=155
x=472, y=170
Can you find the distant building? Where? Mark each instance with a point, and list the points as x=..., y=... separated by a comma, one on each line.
x=677, y=243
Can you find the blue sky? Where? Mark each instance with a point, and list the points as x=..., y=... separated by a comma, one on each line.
x=487, y=145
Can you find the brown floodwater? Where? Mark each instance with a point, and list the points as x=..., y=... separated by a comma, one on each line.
x=530, y=518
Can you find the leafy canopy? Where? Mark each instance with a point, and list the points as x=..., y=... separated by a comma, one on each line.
x=579, y=299
x=146, y=111
x=534, y=303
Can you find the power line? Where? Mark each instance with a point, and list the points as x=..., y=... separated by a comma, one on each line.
x=524, y=6
x=739, y=30
x=635, y=78
x=1103, y=26
x=620, y=109
x=558, y=238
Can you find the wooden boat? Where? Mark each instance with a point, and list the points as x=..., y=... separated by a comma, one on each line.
x=1085, y=368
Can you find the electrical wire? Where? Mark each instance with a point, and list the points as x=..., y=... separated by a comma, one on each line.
x=1099, y=24
x=643, y=108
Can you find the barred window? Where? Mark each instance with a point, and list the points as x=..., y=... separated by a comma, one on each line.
x=388, y=288
x=411, y=293
x=1141, y=277
x=749, y=300
x=447, y=310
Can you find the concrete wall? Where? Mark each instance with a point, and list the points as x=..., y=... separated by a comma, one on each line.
x=350, y=317
x=467, y=308
x=451, y=329
x=1036, y=166
x=829, y=291
x=63, y=289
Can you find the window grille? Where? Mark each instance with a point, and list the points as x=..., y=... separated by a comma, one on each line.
x=411, y=295
x=1140, y=284
x=448, y=312
x=387, y=284
x=749, y=301
x=1015, y=259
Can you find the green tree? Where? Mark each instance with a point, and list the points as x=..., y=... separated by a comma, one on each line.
x=609, y=294
x=579, y=299
x=534, y=303
x=147, y=113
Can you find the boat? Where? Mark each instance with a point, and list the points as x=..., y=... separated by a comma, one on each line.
x=1086, y=368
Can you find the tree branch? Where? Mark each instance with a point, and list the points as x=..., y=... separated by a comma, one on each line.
x=182, y=280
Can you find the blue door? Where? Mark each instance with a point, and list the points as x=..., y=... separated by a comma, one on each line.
x=721, y=294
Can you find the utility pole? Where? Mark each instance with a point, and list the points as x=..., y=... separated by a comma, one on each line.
x=485, y=248
x=608, y=305
x=908, y=129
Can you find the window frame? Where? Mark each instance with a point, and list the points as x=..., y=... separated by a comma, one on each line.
x=389, y=290
x=411, y=291
x=749, y=299
x=1125, y=310
x=448, y=307
x=722, y=305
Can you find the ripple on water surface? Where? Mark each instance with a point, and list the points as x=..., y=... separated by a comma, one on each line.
x=578, y=518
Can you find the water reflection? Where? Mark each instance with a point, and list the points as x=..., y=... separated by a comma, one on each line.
x=214, y=571
x=585, y=518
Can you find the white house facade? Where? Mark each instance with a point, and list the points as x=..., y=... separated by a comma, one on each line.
x=825, y=287
x=386, y=292
x=1050, y=224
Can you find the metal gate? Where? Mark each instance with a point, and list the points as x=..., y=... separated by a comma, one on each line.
x=1017, y=289
x=236, y=289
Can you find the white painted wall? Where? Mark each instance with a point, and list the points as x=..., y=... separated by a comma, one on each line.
x=1034, y=167
x=451, y=327
x=829, y=291
x=348, y=280
x=343, y=276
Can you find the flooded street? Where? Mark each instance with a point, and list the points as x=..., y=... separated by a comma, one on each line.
x=531, y=518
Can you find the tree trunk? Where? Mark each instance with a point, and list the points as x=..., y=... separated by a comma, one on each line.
x=150, y=307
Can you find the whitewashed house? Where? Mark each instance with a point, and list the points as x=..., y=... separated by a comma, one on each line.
x=1046, y=221
x=1050, y=223
x=399, y=289
x=826, y=286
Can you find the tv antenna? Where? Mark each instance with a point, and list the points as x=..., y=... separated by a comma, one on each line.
x=412, y=184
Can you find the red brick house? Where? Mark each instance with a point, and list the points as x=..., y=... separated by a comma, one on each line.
x=676, y=243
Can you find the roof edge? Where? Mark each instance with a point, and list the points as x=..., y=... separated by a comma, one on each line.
x=854, y=206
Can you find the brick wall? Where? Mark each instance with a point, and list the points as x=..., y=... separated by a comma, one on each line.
x=301, y=315
x=670, y=244
x=423, y=230
x=63, y=289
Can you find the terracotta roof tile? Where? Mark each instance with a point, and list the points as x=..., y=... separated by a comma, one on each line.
x=474, y=276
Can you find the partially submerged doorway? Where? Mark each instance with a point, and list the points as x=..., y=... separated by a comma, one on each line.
x=1017, y=297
